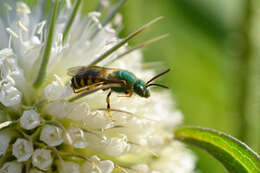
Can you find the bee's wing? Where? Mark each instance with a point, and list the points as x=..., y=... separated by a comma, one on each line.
x=76, y=70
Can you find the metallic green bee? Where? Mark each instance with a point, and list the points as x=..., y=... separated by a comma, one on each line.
x=88, y=79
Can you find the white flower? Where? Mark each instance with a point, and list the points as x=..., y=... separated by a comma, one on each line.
x=57, y=90
x=30, y=119
x=44, y=119
x=80, y=112
x=11, y=167
x=69, y=167
x=51, y=135
x=171, y=154
x=22, y=149
x=5, y=138
x=58, y=108
x=78, y=138
x=105, y=166
x=116, y=146
x=42, y=159
x=9, y=95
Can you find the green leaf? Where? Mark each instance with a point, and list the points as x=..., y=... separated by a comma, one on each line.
x=236, y=156
x=47, y=49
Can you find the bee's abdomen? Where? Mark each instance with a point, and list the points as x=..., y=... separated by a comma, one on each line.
x=76, y=82
x=90, y=77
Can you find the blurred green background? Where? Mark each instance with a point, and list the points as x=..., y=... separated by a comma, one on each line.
x=214, y=51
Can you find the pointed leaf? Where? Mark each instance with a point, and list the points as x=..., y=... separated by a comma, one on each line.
x=70, y=22
x=236, y=156
x=47, y=49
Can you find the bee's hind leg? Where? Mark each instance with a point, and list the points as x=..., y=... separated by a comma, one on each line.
x=108, y=106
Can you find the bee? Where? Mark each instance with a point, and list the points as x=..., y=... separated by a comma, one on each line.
x=89, y=79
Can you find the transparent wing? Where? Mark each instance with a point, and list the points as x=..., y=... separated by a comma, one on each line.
x=76, y=70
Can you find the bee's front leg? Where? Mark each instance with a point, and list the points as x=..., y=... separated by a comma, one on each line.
x=108, y=106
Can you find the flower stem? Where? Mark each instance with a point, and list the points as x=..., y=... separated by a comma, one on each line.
x=47, y=49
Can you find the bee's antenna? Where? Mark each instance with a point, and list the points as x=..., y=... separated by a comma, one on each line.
x=157, y=76
x=159, y=85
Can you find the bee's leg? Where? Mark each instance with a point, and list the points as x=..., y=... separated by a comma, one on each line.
x=88, y=88
x=108, y=106
x=131, y=92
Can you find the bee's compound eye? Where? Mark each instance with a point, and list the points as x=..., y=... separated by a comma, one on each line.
x=146, y=93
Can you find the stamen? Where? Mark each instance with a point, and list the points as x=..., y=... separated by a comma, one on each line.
x=41, y=25
x=105, y=3
x=112, y=12
x=68, y=4
x=94, y=133
x=101, y=5
x=120, y=168
x=118, y=19
x=8, y=7
x=10, y=42
x=84, y=158
x=59, y=41
x=6, y=124
x=58, y=79
x=22, y=8
x=20, y=25
x=11, y=32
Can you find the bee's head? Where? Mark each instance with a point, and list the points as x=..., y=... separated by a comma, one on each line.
x=141, y=89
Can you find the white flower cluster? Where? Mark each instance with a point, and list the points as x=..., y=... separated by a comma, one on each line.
x=41, y=130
